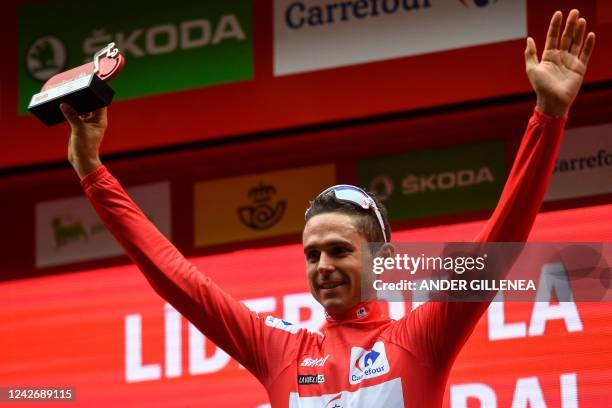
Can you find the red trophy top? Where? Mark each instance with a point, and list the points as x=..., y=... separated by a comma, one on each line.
x=106, y=64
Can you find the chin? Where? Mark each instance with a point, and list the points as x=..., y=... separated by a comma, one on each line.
x=336, y=304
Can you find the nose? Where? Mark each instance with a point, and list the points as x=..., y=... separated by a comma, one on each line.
x=326, y=265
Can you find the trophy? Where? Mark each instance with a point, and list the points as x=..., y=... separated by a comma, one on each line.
x=84, y=87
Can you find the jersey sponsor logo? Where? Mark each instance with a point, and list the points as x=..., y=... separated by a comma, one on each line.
x=366, y=364
x=281, y=324
x=335, y=402
x=311, y=379
x=314, y=362
x=386, y=394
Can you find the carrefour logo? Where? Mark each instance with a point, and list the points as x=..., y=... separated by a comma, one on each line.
x=298, y=14
x=366, y=364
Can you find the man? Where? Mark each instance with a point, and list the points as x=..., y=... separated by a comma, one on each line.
x=361, y=358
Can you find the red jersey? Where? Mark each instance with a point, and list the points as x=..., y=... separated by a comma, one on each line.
x=360, y=358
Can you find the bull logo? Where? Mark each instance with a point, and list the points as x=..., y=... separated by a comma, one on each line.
x=263, y=213
x=67, y=229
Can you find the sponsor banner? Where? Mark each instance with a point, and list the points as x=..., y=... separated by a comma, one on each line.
x=257, y=206
x=318, y=34
x=584, y=164
x=107, y=329
x=438, y=181
x=189, y=45
x=69, y=230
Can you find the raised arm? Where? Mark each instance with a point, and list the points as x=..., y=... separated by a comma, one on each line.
x=245, y=335
x=556, y=80
x=440, y=329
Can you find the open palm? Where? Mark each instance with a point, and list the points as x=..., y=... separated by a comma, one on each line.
x=557, y=77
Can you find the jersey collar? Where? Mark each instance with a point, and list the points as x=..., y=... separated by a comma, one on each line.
x=364, y=311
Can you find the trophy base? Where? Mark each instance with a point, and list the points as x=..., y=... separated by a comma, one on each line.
x=85, y=94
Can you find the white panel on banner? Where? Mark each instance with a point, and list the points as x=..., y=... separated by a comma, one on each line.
x=68, y=230
x=584, y=165
x=319, y=34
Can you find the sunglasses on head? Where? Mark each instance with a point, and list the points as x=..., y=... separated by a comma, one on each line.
x=354, y=195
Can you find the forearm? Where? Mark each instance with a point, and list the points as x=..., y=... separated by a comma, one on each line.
x=527, y=182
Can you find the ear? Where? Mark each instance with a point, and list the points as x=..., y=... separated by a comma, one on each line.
x=386, y=251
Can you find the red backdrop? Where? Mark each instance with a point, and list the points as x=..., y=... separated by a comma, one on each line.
x=70, y=330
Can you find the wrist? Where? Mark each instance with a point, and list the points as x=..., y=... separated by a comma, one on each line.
x=85, y=166
x=554, y=109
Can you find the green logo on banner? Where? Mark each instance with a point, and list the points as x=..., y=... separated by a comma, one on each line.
x=439, y=181
x=179, y=45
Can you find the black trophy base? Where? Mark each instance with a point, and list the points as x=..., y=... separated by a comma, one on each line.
x=84, y=99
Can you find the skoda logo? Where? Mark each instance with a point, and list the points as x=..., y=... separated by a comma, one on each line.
x=382, y=187
x=46, y=57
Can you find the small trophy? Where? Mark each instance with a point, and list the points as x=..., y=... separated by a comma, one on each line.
x=84, y=87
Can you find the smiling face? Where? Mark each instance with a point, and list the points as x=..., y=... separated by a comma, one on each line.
x=333, y=247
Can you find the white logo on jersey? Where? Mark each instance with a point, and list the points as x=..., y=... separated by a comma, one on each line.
x=366, y=364
x=281, y=324
x=386, y=394
x=314, y=362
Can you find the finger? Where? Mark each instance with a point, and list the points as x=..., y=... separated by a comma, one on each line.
x=70, y=114
x=531, y=55
x=578, y=39
x=552, y=37
x=568, y=32
x=588, y=48
x=99, y=115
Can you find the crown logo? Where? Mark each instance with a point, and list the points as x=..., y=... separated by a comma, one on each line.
x=261, y=193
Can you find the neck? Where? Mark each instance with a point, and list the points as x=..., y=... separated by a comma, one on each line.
x=358, y=312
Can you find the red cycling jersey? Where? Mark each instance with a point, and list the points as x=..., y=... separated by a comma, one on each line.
x=360, y=358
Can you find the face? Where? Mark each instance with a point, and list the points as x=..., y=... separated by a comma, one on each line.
x=333, y=248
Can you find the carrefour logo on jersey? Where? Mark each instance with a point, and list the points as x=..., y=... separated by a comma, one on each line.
x=319, y=34
x=366, y=364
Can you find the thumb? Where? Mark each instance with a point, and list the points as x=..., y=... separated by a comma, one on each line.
x=531, y=55
x=70, y=114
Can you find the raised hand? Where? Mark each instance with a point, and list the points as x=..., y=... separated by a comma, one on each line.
x=557, y=77
x=86, y=136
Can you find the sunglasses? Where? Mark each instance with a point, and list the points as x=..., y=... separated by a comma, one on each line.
x=354, y=195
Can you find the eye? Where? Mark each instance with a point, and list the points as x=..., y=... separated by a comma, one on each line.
x=338, y=251
x=312, y=256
